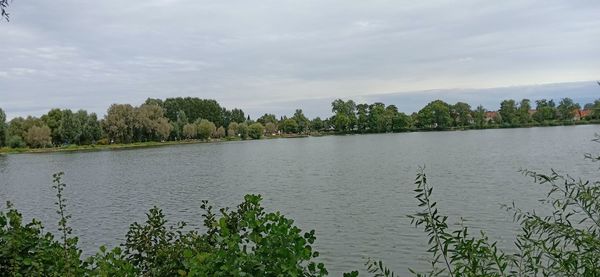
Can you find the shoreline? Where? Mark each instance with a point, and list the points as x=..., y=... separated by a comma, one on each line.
x=151, y=144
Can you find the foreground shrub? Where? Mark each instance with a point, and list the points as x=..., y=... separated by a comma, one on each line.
x=565, y=243
x=246, y=241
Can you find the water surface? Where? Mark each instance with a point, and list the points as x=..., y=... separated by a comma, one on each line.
x=355, y=191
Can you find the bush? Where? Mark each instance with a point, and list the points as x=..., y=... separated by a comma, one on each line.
x=246, y=241
x=16, y=142
x=567, y=243
x=256, y=130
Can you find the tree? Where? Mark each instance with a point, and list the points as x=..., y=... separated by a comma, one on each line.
x=69, y=128
x=508, y=112
x=119, y=123
x=3, y=129
x=523, y=112
x=317, y=124
x=401, y=122
x=90, y=127
x=301, y=120
x=270, y=128
x=52, y=119
x=567, y=109
x=479, y=115
x=163, y=128
x=377, y=121
x=344, y=117
x=289, y=125
x=220, y=132
x=190, y=131
x=362, y=120
x=148, y=117
x=256, y=130
x=243, y=130
x=38, y=137
x=237, y=115
x=232, y=129
x=205, y=129
x=461, y=114
x=545, y=110
x=435, y=115
x=267, y=118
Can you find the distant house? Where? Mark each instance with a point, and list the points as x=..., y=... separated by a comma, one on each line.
x=581, y=114
x=490, y=116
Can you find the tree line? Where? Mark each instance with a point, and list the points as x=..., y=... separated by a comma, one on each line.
x=194, y=118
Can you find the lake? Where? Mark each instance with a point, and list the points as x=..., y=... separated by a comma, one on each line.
x=355, y=190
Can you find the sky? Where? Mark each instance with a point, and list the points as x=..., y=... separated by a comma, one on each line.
x=278, y=55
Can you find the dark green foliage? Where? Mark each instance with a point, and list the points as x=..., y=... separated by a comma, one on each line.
x=436, y=115
x=15, y=142
x=3, y=129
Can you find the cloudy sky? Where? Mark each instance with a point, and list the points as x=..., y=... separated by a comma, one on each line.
x=272, y=56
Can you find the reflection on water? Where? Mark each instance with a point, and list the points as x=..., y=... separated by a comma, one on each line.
x=355, y=191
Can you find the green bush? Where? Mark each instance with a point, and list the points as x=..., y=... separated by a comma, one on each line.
x=246, y=241
x=15, y=142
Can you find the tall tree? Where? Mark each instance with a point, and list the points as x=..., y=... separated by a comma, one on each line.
x=461, y=114
x=38, y=137
x=545, y=110
x=119, y=123
x=52, y=119
x=362, y=120
x=3, y=129
x=567, y=109
x=435, y=115
x=70, y=127
x=508, y=111
x=301, y=120
x=523, y=112
x=479, y=115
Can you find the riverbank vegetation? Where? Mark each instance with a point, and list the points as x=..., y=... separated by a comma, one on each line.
x=248, y=241
x=193, y=119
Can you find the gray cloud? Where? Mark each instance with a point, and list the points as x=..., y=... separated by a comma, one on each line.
x=259, y=55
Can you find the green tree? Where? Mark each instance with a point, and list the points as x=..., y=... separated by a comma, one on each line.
x=205, y=129
x=270, y=128
x=242, y=130
x=523, y=112
x=69, y=128
x=190, y=131
x=362, y=120
x=267, y=118
x=52, y=119
x=401, y=122
x=90, y=127
x=317, y=124
x=377, y=120
x=479, y=115
x=220, y=132
x=256, y=130
x=119, y=123
x=435, y=115
x=508, y=112
x=38, y=137
x=567, y=109
x=232, y=129
x=461, y=114
x=301, y=120
x=344, y=118
x=545, y=110
x=289, y=125
x=3, y=129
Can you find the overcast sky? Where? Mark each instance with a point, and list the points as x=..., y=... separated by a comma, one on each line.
x=270, y=56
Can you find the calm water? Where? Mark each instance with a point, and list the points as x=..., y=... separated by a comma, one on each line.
x=354, y=190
